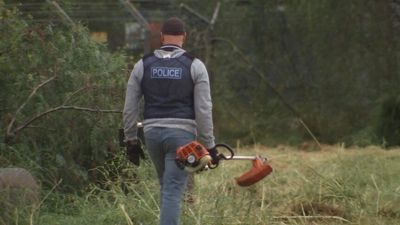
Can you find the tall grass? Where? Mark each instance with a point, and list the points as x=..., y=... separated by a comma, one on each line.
x=332, y=186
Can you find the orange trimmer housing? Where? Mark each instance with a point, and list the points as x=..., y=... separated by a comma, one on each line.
x=192, y=157
x=192, y=152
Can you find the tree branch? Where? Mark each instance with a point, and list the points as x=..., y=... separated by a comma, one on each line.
x=74, y=93
x=63, y=107
x=11, y=131
x=11, y=124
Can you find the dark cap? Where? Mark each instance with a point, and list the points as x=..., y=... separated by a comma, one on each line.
x=173, y=26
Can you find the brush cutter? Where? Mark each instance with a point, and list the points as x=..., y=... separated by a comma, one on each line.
x=194, y=157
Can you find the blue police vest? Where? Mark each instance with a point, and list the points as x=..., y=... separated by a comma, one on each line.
x=167, y=87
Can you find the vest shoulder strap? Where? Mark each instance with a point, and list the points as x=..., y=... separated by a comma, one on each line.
x=186, y=59
x=148, y=55
x=190, y=56
x=149, y=59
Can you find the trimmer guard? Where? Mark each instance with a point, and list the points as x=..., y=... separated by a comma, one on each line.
x=259, y=170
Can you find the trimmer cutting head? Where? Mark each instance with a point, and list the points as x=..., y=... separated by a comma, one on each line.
x=259, y=170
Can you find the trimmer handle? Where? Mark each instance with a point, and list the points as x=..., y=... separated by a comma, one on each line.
x=229, y=148
x=221, y=155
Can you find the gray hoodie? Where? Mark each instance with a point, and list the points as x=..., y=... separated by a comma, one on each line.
x=202, y=126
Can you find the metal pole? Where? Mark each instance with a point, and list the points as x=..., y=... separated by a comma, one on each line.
x=201, y=17
x=242, y=157
x=142, y=21
x=61, y=12
x=135, y=13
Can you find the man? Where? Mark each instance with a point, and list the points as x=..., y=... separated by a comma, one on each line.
x=177, y=108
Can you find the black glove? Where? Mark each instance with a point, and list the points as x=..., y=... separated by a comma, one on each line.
x=134, y=151
x=214, y=155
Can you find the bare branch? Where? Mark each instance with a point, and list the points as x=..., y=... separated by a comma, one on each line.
x=73, y=94
x=63, y=107
x=11, y=124
x=11, y=131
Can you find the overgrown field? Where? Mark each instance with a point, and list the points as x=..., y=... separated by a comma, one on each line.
x=332, y=186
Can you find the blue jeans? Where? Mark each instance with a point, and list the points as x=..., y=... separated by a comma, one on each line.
x=161, y=144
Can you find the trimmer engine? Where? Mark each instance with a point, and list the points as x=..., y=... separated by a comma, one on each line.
x=192, y=157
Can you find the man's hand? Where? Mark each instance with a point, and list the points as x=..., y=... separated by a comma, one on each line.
x=134, y=151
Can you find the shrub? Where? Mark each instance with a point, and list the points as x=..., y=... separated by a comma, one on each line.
x=56, y=86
